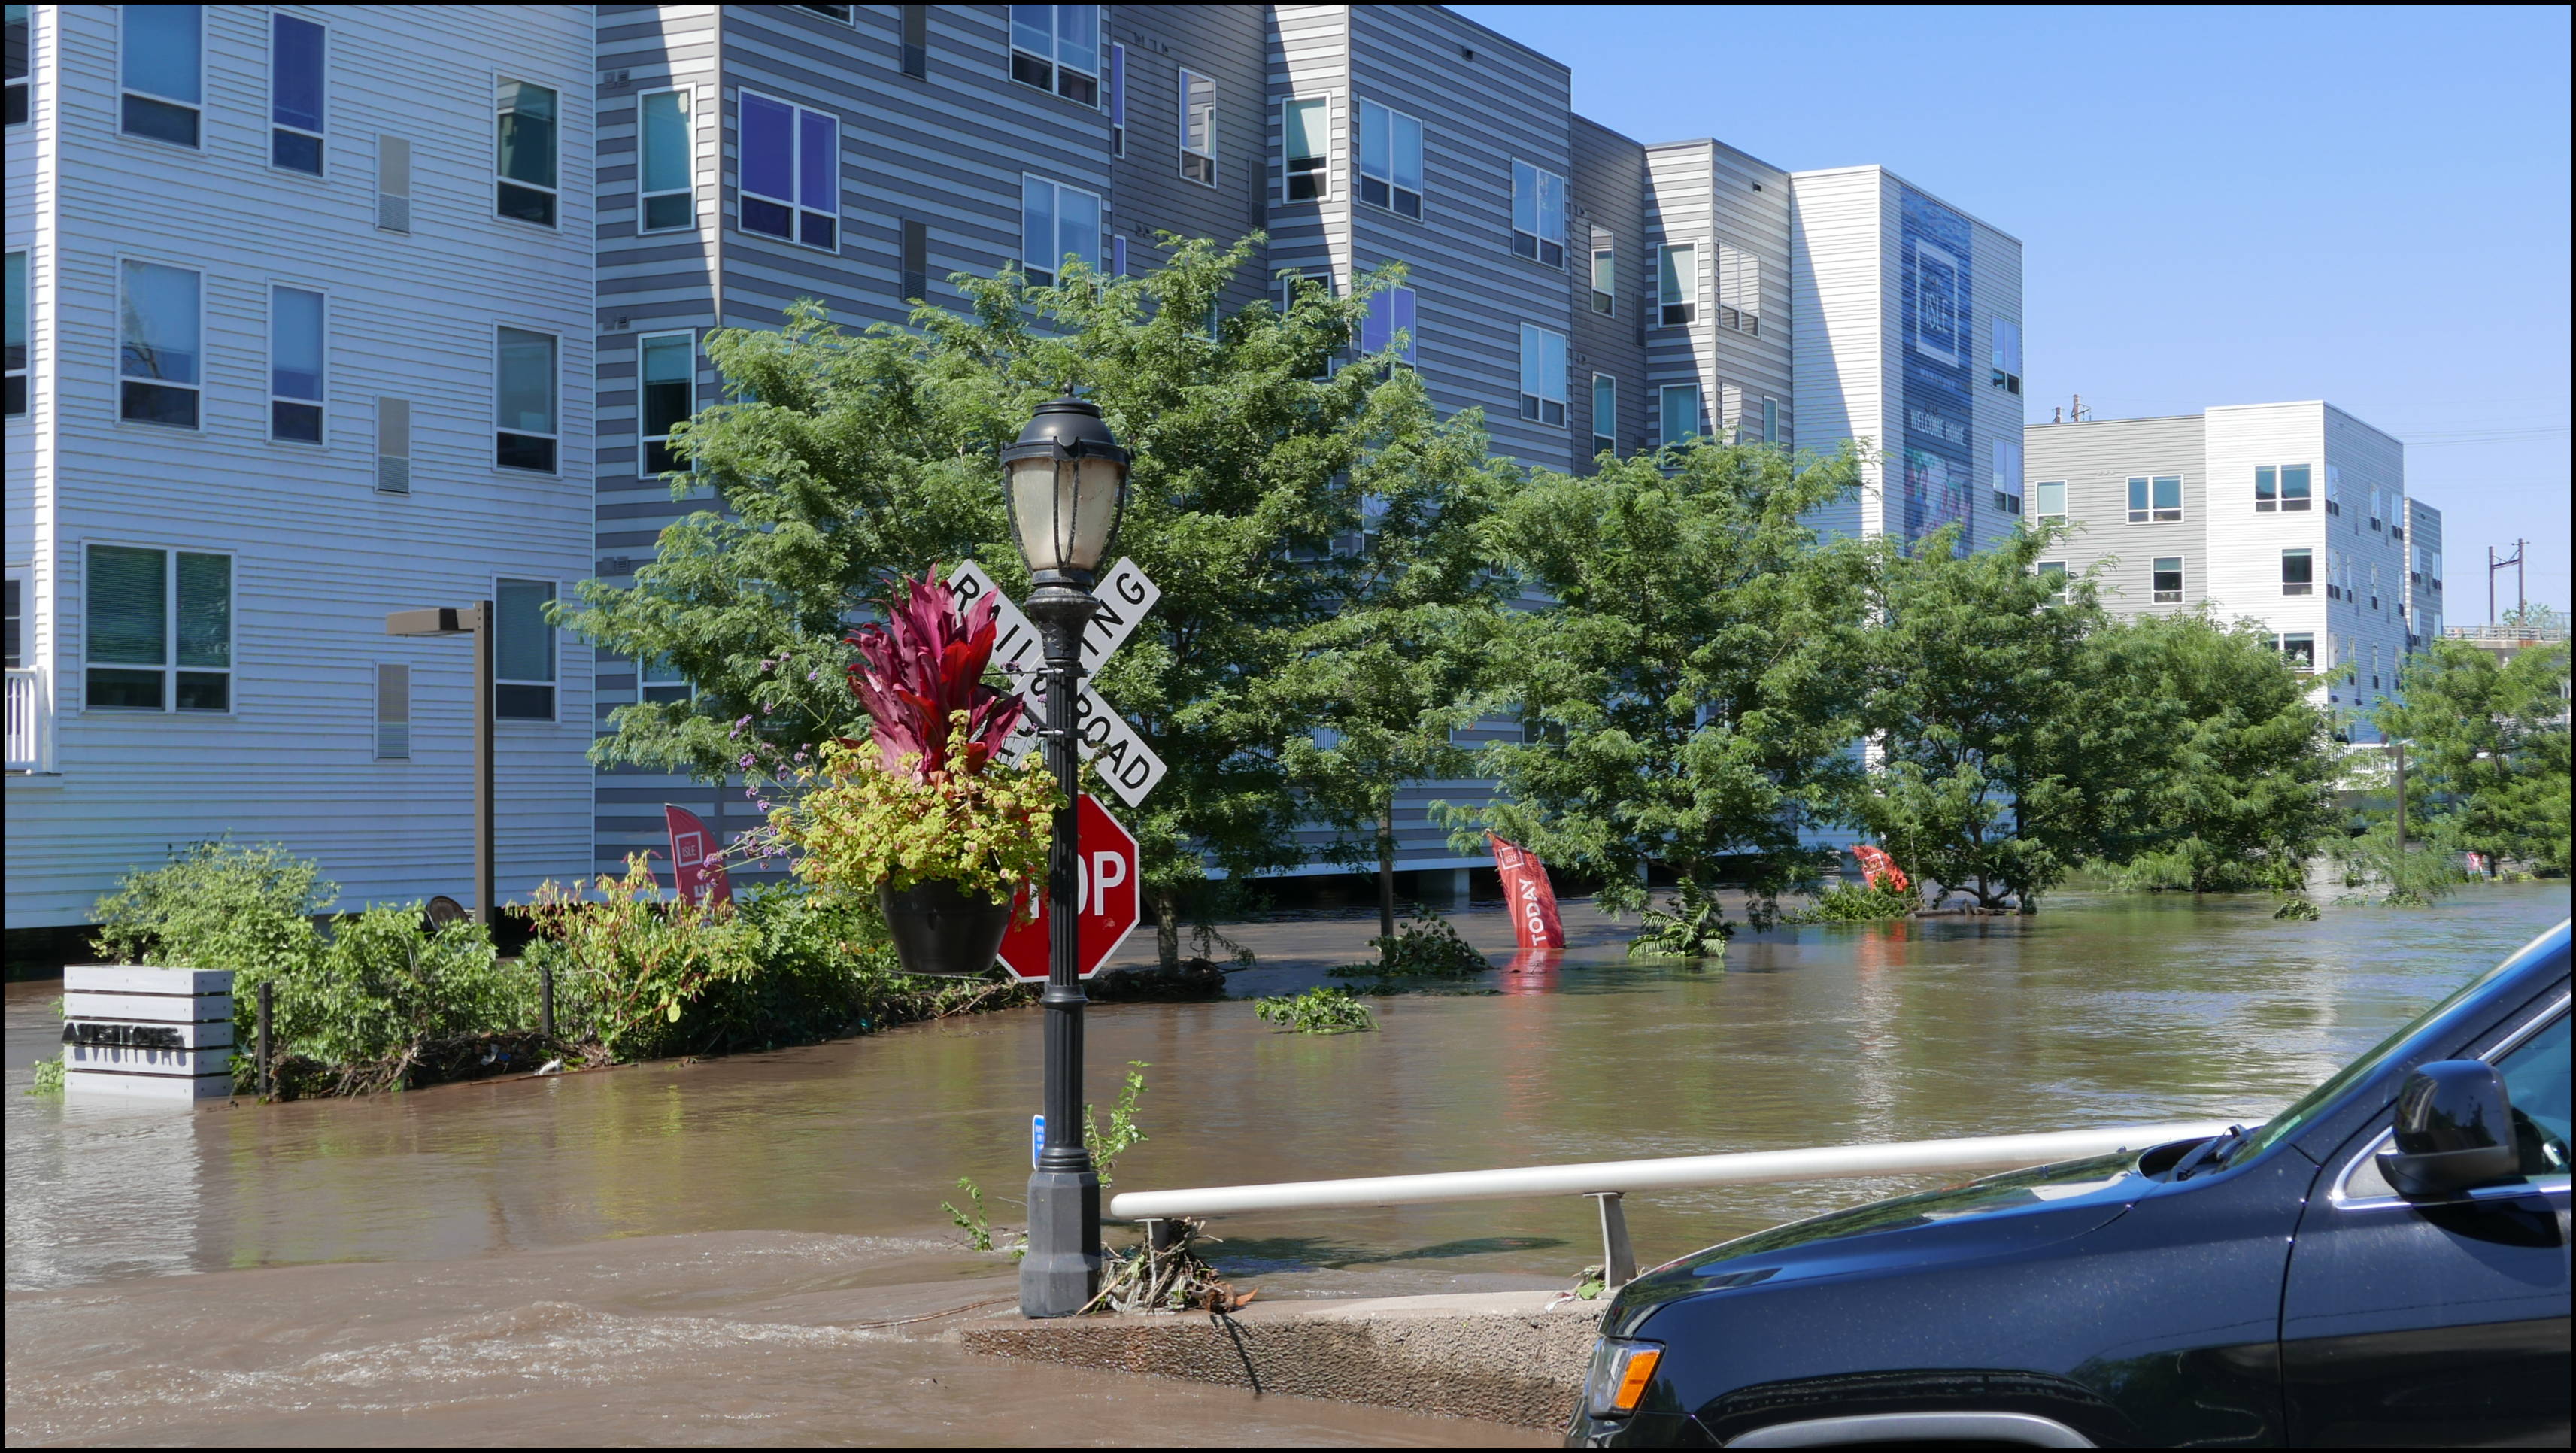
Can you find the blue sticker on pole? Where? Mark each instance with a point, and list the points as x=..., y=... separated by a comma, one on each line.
x=1037, y=1139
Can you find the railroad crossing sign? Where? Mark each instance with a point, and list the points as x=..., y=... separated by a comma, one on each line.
x=1113, y=748
x=1111, y=907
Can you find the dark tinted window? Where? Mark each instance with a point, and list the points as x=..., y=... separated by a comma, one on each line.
x=2535, y=1077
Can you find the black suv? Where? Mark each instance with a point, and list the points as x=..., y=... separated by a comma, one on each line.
x=2382, y=1265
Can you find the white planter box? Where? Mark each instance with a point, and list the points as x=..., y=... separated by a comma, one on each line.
x=139, y=1032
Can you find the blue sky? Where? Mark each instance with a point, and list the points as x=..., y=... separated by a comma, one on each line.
x=2367, y=205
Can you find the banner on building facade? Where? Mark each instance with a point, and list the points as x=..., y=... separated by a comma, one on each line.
x=1531, y=897
x=697, y=859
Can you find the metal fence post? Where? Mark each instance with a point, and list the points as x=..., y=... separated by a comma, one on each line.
x=267, y=1068
x=1618, y=1260
x=546, y=1000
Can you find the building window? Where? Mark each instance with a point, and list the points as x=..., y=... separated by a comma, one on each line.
x=1771, y=422
x=13, y=392
x=1677, y=414
x=1390, y=323
x=13, y=101
x=2006, y=476
x=523, y=651
x=163, y=69
x=666, y=389
x=2053, y=574
x=523, y=400
x=916, y=261
x=524, y=153
x=393, y=712
x=791, y=173
x=2301, y=648
x=657, y=680
x=1605, y=281
x=393, y=183
x=298, y=346
x=2051, y=503
x=1198, y=128
x=2376, y=513
x=158, y=326
x=2334, y=490
x=393, y=445
x=1118, y=100
x=2298, y=572
x=840, y=13
x=2156, y=499
x=666, y=197
x=160, y=630
x=1305, y=139
x=2006, y=373
x=1739, y=290
x=2281, y=487
x=2168, y=580
x=297, y=65
x=1056, y=222
x=1538, y=215
x=1676, y=284
x=1542, y=375
x=1605, y=414
x=12, y=642
x=916, y=41
x=1057, y=48
x=1390, y=160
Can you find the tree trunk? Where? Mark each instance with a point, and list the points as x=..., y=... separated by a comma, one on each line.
x=1167, y=931
x=1386, y=867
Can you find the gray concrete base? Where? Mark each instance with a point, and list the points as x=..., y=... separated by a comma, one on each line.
x=1501, y=1356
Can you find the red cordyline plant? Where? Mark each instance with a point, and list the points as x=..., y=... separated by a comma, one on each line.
x=921, y=668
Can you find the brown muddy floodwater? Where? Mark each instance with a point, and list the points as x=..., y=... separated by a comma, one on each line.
x=684, y=1253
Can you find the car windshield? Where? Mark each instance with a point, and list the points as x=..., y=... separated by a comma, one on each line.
x=2317, y=1101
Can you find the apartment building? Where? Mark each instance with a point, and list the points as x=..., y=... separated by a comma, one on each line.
x=2294, y=515
x=1586, y=291
x=298, y=337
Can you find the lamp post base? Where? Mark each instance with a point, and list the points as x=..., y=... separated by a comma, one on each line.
x=1061, y=1272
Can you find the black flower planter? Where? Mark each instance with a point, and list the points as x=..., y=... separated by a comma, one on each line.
x=939, y=928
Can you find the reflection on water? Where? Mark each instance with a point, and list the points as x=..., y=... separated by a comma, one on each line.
x=2097, y=1012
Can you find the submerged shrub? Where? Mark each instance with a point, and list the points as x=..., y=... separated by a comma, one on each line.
x=1856, y=903
x=1694, y=927
x=1324, y=1009
x=1424, y=946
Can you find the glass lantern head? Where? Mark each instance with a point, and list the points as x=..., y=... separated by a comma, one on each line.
x=1066, y=482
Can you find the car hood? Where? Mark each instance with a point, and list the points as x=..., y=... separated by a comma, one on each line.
x=2001, y=1214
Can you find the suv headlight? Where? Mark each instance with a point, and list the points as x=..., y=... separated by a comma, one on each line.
x=1621, y=1368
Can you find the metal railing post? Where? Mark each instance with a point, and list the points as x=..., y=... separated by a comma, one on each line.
x=546, y=1000
x=267, y=1066
x=1618, y=1259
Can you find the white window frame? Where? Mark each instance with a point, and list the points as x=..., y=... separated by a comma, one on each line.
x=1057, y=70
x=321, y=138
x=17, y=370
x=1771, y=420
x=644, y=442
x=2039, y=502
x=2153, y=513
x=1114, y=98
x=1662, y=317
x=2182, y=580
x=2306, y=587
x=382, y=724
x=1535, y=405
x=1196, y=165
x=797, y=210
x=1054, y=269
x=554, y=407
x=2304, y=662
x=2043, y=569
x=1539, y=242
x=2278, y=501
x=198, y=387
x=644, y=199
x=1421, y=162
x=1605, y=441
x=169, y=667
x=1663, y=412
x=123, y=90
x=321, y=404
x=553, y=191
x=554, y=652
x=645, y=685
x=1322, y=174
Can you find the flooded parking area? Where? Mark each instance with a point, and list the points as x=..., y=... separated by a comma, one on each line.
x=738, y=1250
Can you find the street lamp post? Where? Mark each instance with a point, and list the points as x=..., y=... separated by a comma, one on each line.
x=474, y=620
x=1066, y=483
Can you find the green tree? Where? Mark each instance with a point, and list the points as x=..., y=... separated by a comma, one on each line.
x=843, y=459
x=2202, y=761
x=2486, y=750
x=1975, y=667
x=1688, y=701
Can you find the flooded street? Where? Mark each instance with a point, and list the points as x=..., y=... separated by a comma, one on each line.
x=690, y=1252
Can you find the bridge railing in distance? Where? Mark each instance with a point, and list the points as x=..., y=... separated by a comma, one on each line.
x=1609, y=1180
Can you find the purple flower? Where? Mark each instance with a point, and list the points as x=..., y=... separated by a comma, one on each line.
x=746, y=760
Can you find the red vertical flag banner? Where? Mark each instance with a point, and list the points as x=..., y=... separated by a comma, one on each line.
x=696, y=858
x=1532, y=898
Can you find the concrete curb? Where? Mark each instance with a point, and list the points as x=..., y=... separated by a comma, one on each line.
x=1504, y=1357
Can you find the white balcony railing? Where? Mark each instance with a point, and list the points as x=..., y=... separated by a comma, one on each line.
x=31, y=722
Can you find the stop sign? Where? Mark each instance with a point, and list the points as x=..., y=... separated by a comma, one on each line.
x=1111, y=907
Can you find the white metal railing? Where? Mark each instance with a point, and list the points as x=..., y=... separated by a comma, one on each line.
x=31, y=721
x=1609, y=1180
x=2501, y=635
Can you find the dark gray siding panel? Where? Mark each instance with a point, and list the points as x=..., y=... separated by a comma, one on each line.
x=1228, y=45
x=1608, y=199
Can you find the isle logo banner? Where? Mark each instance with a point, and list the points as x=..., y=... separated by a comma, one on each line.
x=1532, y=898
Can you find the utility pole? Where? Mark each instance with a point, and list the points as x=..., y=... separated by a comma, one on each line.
x=2496, y=562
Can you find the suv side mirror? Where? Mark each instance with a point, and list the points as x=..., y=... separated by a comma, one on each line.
x=2454, y=1130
